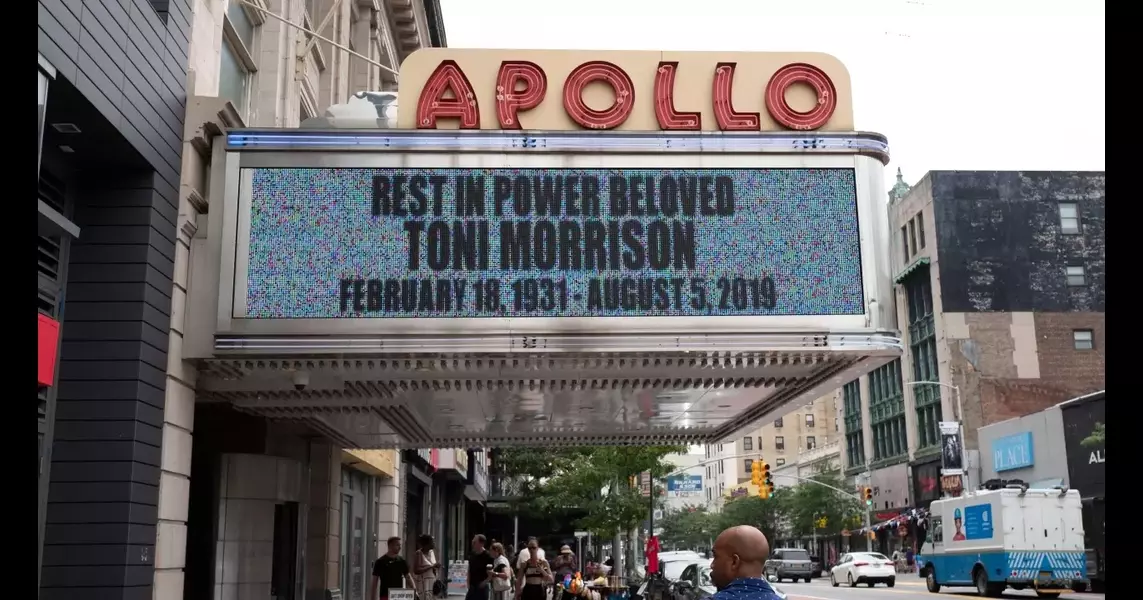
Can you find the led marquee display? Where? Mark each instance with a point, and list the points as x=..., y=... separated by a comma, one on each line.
x=452, y=242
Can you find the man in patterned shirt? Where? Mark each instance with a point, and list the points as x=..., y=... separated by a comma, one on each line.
x=739, y=554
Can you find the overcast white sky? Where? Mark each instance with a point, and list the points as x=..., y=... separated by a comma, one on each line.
x=954, y=84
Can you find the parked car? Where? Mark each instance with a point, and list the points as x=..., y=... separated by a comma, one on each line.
x=816, y=564
x=789, y=563
x=695, y=584
x=869, y=568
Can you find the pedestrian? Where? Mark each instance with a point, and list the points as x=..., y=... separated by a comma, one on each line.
x=535, y=574
x=390, y=571
x=736, y=569
x=501, y=572
x=426, y=569
x=565, y=563
x=479, y=570
x=526, y=553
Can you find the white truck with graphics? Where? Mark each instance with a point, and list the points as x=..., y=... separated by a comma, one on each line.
x=1015, y=537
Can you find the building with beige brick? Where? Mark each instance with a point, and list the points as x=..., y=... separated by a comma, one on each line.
x=1000, y=296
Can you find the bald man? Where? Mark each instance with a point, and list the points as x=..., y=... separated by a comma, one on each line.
x=739, y=553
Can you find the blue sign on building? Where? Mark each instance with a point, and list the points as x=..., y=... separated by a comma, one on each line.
x=1012, y=452
x=685, y=484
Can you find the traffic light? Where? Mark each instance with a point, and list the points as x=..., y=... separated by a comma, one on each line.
x=756, y=472
x=767, y=481
x=868, y=495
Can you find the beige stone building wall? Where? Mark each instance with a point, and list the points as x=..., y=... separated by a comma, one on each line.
x=817, y=420
x=249, y=69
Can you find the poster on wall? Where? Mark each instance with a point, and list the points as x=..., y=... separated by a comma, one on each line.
x=952, y=454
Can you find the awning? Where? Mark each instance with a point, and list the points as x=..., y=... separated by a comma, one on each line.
x=913, y=266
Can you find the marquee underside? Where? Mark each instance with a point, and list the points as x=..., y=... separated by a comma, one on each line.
x=535, y=397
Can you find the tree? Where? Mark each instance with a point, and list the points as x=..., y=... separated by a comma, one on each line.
x=769, y=515
x=1095, y=439
x=811, y=502
x=594, y=479
x=688, y=528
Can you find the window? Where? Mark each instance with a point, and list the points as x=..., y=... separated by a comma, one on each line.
x=854, y=435
x=836, y=424
x=1075, y=276
x=809, y=421
x=720, y=469
x=780, y=462
x=759, y=443
x=887, y=412
x=923, y=347
x=1083, y=338
x=1069, y=217
x=811, y=442
x=921, y=230
x=778, y=423
x=912, y=237
x=905, y=244
x=237, y=64
x=747, y=444
x=748, y=464
x=780, y=443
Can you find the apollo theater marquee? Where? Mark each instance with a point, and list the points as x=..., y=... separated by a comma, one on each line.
x=552, y=247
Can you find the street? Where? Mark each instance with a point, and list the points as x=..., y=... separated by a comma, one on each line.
x=907, y=586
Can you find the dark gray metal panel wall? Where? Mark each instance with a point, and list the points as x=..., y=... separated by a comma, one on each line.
x=1000, y=245
x=130, y=63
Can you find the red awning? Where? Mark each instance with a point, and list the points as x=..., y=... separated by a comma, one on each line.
x=49, y=335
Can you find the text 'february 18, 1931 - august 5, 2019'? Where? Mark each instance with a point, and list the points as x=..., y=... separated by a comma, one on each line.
x=450, y=242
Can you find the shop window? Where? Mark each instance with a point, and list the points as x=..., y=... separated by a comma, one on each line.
x=1083, y=339
x=1076, y=276
x=1069, y=217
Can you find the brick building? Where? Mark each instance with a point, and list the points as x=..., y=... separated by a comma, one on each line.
x=1000, y=296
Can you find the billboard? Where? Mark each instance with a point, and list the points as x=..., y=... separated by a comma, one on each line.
x=349, y=243
x=684, y=485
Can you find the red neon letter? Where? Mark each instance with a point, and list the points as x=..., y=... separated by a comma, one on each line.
x=433, y=104
x=509, y=100
x=588, y=117
x=801, y=73
x=728, y=118
x=665, y=112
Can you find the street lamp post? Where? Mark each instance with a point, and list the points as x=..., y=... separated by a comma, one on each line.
x=959, y=421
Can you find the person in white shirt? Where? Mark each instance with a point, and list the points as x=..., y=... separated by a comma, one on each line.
x=525, y=555
x=426, y=569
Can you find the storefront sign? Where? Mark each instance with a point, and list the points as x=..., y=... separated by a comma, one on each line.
x=952, y=485
x=641, y=91
x=414, y=243
x=1012, y=452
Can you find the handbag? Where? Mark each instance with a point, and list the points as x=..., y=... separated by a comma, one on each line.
x=439, y=588
x=503, y=585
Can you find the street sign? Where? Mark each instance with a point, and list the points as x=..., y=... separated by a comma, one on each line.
x=645, y=484
x=580, y=534
x=400, y=594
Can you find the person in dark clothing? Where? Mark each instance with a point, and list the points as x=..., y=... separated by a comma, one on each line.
x=390, y=571
x=479, y=570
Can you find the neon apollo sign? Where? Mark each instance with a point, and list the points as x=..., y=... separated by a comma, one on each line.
x=523, y=85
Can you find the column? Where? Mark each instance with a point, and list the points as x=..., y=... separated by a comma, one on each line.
x=323, y=528
x=390, y=503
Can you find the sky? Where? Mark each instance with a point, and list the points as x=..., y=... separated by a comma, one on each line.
x=954, y=84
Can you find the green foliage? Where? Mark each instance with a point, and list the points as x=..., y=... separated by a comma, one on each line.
x=1095, y=439
x=595, y=479
x=689, y=528
x=811, y=502
x=767, y=515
